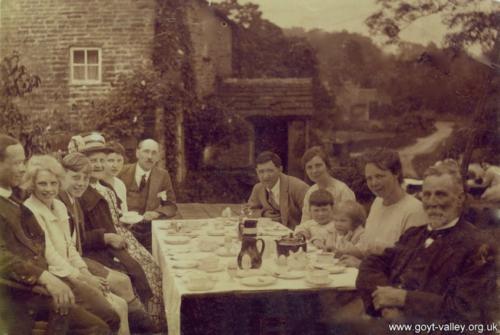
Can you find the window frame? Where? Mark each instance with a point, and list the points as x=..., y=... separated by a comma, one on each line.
x=85, y=65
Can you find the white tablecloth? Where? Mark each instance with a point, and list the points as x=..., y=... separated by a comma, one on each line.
x=174, y=286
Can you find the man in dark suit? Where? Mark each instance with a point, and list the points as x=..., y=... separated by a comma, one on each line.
x=149, y=189
x=440, y=272
x=277, y=195
x=22, y=245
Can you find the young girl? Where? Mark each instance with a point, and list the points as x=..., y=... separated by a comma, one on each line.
x=349, y=218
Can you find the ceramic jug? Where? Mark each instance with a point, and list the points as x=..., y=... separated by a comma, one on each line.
x=249, y=244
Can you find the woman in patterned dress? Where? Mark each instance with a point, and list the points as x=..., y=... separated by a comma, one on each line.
x=111, y=222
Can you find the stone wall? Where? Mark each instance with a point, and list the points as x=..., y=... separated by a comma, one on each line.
x=43, y=31
x=211, y=38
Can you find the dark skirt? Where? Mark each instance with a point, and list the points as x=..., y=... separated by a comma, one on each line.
x=121, y=260
x=96, y=268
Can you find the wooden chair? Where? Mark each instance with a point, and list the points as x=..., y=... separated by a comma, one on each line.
x=40, y=326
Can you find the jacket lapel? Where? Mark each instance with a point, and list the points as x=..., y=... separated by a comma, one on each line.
x=154, y=180
x=284, y=189
x=129, y=178
x=13, y=214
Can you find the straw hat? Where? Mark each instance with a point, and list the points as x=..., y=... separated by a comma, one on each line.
x=88, y=143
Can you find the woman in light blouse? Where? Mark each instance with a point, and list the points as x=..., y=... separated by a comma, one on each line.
x=43, y=178
x=317, y=167
x=393, y=211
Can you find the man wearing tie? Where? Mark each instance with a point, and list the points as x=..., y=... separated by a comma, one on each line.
x=149, y=189
x=277, y=195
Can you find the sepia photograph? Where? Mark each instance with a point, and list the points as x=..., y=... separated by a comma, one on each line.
x=249, y=167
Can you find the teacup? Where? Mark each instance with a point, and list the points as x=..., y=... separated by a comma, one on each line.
x=319, y=276
x=209, y=263
x=207, y=245
x=325, y=257
x=219, y=225
x=197, y=280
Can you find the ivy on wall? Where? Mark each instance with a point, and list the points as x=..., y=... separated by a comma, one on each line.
x=167, y=85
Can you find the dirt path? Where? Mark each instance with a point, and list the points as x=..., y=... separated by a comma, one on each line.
x=424, y=145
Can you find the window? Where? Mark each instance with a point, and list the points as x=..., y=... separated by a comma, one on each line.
x=85, y=65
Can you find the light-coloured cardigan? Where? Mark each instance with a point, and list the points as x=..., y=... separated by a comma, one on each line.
x=60, y=251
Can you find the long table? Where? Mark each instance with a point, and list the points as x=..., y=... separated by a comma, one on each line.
x=229, y=303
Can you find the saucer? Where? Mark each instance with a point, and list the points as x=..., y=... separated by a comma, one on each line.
x=290, y=274
x=208, y=247
x=207, y=286
x=176, y=240
x=216, y=232
x=223, y=253
x=331, y=268
x=258, y=281
x=250, y=273
x=184, y=264
x=131, y=219
x=318, y=284
x=219, y=268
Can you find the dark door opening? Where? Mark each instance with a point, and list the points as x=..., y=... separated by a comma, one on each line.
x=272, y=134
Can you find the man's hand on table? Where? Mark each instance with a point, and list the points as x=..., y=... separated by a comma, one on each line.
x=115, y=241
x=350, y=261
x=151, y=215
x=387, y=296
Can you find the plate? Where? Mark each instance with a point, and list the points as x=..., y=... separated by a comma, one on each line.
x=219, y=268
x=258, y=281
x=176, y=240
x=318, y=284
x=290, y=274
x=250, y=273
x=184, y=264
x=216, y=233
x=132, y=219
x=331, y=268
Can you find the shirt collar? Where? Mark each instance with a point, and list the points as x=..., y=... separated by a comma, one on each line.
x=450, y=224
x=40, y=208
x=139, y=171
x=276, y=188
x=5, y=193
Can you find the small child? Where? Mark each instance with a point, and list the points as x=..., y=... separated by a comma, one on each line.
x=320, y=226
x=349, y=218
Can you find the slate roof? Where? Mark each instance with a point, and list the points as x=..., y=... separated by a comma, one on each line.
x=268, y=96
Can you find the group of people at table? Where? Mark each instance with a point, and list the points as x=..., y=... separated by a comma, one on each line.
x=61, y=229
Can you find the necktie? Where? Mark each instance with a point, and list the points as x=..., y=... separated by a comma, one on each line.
x=271, y=200
x=75, y=220
x=142, y=184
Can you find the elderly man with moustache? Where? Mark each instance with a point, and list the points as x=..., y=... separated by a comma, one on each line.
x=149, y=189
x=440, y=272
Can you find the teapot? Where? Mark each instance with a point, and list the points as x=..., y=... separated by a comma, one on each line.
x=290, y=243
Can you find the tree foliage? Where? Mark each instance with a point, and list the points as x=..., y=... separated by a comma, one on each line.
x=15, y=83
x=261, y=48
x=469, y=21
